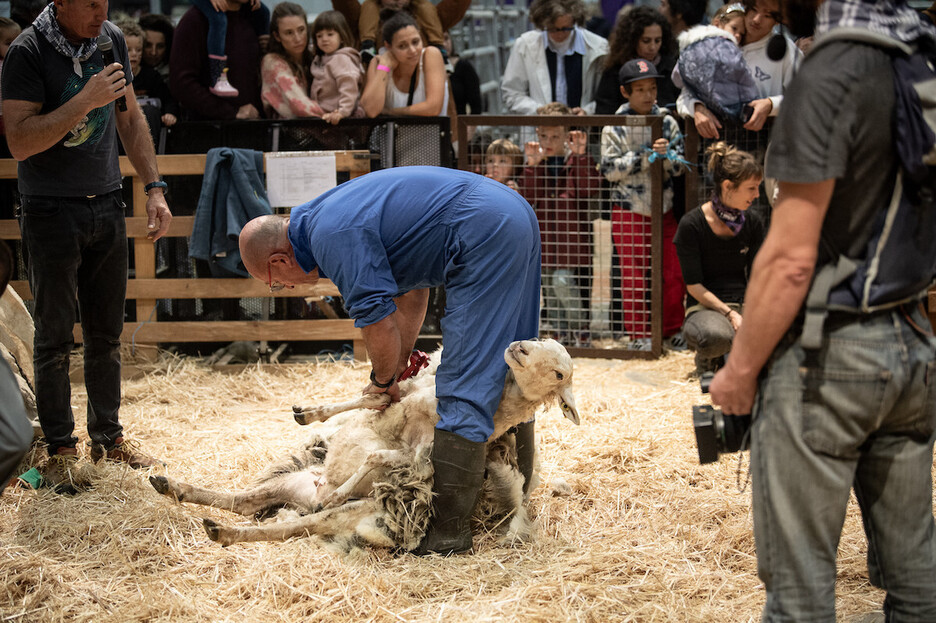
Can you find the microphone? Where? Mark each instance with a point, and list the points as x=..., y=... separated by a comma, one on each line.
x=106, y=46
x=776, y=47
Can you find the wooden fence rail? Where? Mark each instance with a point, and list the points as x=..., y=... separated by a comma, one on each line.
x=146, y=289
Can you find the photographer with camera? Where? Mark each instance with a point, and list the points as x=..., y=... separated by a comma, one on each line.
x=716, y=245
x=848, y=395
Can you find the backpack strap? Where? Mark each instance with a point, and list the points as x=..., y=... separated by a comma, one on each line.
x=817, y=300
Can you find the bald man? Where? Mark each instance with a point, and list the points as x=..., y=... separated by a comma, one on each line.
x=384, y=239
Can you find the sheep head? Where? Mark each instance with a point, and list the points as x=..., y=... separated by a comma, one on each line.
x=542, y=369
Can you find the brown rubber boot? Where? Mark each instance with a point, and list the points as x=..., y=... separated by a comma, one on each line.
x=63, y=474
x=124, y=452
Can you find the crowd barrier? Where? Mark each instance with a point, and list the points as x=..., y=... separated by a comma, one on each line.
x=145, y=289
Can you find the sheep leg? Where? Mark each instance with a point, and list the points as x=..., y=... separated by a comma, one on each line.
x=298, y=489
x=361, y=519
x=307, y=415
x=374, y=460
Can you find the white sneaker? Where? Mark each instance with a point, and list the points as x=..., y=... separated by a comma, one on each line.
x=223, y=88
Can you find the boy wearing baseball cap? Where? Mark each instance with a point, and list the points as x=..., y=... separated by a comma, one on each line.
x=625, y=162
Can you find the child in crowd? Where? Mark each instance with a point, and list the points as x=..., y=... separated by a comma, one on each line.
x=151, y=91
x=558, y=180
x=712, y=67
x=337, y=73
x=501, y=160
x=214, y=11
x=9, y=30
x=626, y=153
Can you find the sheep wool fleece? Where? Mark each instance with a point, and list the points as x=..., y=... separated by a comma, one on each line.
x=396, y=230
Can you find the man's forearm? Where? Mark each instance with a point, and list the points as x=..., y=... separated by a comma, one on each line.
x=781, y=274
x=382, y=340
x=31, y=133
x=411, y=312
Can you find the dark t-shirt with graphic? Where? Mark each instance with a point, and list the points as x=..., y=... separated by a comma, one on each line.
x=84, y=162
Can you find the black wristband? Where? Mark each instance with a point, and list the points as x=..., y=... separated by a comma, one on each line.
x=375, y=383
x=156, y=184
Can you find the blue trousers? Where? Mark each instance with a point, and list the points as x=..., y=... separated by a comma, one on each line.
x=859, y=413
x=77, y=254
x=492, y=289
x=217, y=25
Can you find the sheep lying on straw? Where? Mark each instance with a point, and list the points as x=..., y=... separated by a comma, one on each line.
x=371, y=479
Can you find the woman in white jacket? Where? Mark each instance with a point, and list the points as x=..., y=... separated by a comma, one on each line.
x=558, y=62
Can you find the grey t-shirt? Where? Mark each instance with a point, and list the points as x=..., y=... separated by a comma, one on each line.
x=84, y=162
x=836, y=123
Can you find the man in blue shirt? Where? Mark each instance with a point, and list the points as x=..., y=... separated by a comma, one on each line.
x=384, y=239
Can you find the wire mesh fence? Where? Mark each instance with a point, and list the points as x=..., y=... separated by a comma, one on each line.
x=601, y=215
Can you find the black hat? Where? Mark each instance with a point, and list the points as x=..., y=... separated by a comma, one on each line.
x=637, y=69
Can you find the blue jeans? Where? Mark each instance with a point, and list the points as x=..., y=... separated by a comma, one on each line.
x=77, y=253
x=859, y=413
x=563, y=300
x=217, y=25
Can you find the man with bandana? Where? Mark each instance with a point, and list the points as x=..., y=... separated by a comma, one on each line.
x=62, y=124
x=857, y=412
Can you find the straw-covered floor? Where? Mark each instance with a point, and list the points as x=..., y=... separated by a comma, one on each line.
x=646, y=534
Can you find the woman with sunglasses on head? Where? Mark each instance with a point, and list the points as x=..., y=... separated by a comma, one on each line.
x=560, y=61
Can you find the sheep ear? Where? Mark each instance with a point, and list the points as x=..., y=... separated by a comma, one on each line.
x=567, y=404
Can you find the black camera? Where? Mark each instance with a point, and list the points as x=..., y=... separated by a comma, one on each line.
x=716, y=432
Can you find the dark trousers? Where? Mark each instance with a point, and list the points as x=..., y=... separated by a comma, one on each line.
x=77, y=253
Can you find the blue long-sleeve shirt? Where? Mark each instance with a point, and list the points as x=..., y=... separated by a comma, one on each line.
x=384, y=234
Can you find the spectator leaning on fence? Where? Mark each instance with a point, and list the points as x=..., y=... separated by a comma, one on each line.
x=407, y=78
x=190, y=77
x=640, y=32
x=770, y=76
x=716, y=245
x=558, y=180
x=62, y=125
x=626, y=156
x=558, y=62
x=712, y=68
x=285, y=68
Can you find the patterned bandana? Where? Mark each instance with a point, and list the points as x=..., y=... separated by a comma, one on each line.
x=894, y=18
x=732, y=217
x=49, y=27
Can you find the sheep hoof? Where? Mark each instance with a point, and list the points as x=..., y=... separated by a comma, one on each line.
x=161, y=484
x=213, y=529
x=297, y=409
x=301, y=418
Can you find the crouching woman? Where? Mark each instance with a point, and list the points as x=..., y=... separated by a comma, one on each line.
x=716, y=245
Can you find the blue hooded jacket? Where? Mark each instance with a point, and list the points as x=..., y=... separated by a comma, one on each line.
x=713, y=69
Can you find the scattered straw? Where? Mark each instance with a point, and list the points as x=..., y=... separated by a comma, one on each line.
x=645, y=535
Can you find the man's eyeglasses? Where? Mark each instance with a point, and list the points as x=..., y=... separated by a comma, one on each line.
x=562, y=29
x=275, y=286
